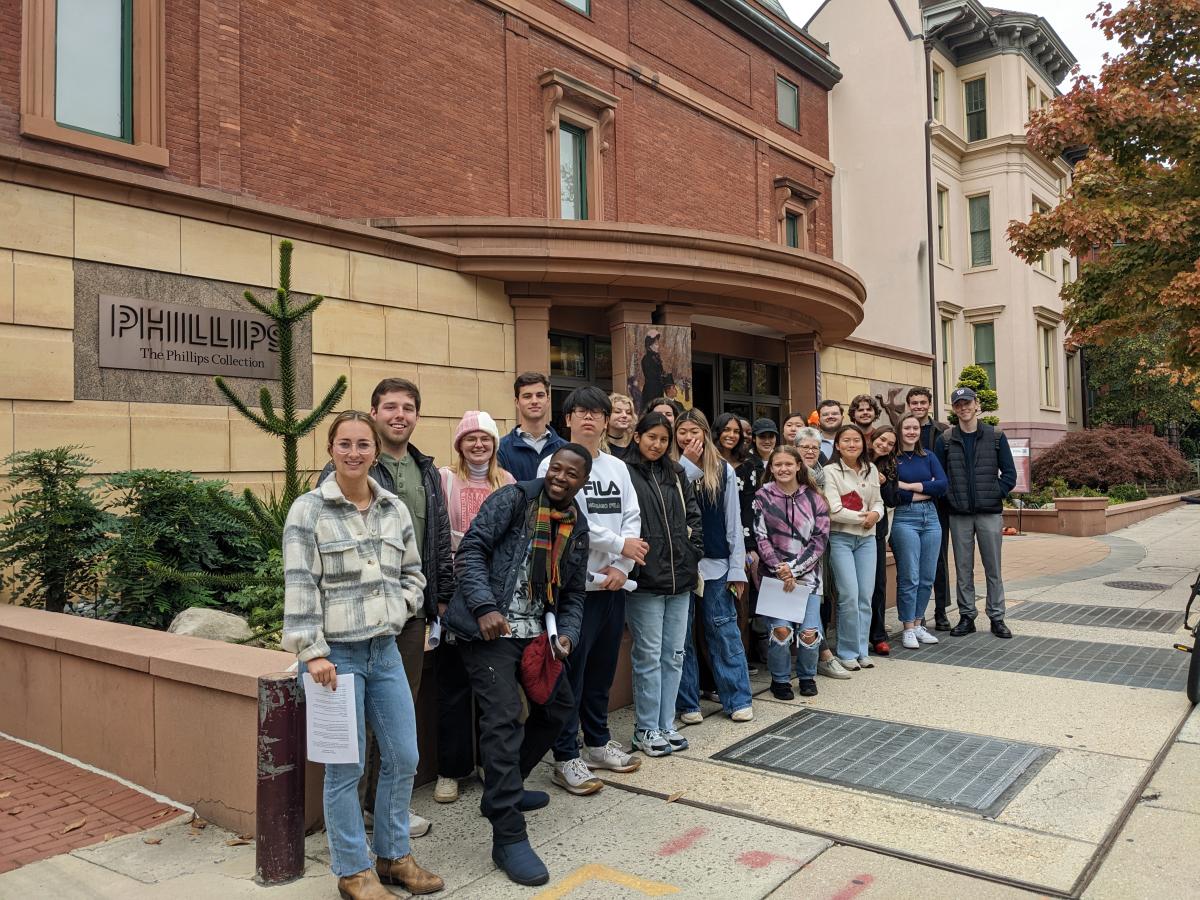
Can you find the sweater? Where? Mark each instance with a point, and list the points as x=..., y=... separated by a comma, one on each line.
x=792, y=529
x=611, y=506
x=463, y=499
x=728, y=516
x=347, y=577
x=912, y=468
x=841, y=481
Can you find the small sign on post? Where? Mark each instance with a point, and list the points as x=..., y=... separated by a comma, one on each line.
x=1020, y=452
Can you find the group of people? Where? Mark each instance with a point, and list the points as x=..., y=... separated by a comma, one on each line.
x=532, y=553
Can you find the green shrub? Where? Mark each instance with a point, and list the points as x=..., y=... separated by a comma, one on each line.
x=976, y=378
x=1126, y=493
x=54, y=534
x=262, y=601
x=169, y=523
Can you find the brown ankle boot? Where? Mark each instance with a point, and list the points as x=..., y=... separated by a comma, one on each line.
x=363, y=885
x=410, y=876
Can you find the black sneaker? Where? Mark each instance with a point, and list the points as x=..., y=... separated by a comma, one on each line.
x=808, y=687
x=999, y=629
x=964, y=626
x=782, y=690
x=942, y=625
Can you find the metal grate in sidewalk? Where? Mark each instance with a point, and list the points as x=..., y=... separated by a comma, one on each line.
x=1162, y=620
x=946, y=768
x=1121, y=664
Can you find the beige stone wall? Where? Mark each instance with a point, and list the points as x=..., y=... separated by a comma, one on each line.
x=846, y=373
x=450, y=333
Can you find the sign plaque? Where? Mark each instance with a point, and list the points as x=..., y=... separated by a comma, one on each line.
x=195, y=340
x=1021, y=458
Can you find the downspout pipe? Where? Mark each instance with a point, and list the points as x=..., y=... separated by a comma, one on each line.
x=929, y=221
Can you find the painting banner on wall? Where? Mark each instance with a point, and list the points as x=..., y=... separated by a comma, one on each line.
x=660, y=363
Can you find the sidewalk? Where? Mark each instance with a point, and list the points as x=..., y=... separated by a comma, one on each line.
x=1109, y=808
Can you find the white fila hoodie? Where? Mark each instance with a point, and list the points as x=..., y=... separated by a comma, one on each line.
x=612, y=510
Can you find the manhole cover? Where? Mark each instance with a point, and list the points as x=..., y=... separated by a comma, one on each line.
x=1161, y=620
x=946, y=768
x=1121, y=664
x=1137, y=585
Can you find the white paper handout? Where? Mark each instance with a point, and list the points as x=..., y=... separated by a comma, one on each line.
x=599, y=578
x=434, y=638
x=332, y=721
x=776, y=603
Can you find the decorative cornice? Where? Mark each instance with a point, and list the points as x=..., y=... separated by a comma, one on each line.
x=1047, y=316
x=949, y=310
x=983, y=313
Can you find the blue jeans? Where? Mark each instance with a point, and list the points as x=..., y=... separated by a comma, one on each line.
x=853, y=561
x=916, y=542
x=658, y=624
x=381, y=692
x=779, y=659
x=726, y=655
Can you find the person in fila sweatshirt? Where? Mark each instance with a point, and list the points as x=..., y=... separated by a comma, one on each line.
x=614, y=532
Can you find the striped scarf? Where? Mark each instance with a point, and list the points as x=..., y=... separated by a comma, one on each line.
x=551, y=530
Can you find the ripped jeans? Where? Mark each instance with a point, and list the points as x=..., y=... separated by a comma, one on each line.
x=658, y=624
x=779, y=660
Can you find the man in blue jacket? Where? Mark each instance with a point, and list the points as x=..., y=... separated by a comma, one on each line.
x=525, y=555
x=980, y=470
x=532, y=440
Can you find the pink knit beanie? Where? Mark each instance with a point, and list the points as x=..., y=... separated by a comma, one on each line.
x=476, y=420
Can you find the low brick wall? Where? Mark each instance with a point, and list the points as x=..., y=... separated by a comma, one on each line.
x=174, y=714
x=1089, y=516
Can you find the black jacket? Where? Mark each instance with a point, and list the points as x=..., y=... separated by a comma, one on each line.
x=979, y=485
x=489, y=560
x=751, y=475
x=437, y=563
x=670, y=525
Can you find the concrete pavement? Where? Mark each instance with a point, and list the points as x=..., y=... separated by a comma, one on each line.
x=1112, y=812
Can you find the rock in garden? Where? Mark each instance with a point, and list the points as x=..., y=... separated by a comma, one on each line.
x=212, y=624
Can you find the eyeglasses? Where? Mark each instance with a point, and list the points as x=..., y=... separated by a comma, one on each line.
x=804, y=449
x=588, y=413
x=348, y=446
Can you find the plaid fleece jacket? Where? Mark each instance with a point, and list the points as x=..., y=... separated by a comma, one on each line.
x=346, y=577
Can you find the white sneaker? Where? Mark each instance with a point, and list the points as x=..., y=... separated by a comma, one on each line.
x=924, y=636
x=864, y=662
x=850, y=665
x=832, y=668
x=576, y=778
x=691, y=718
x=446, y=790
x=651, y=743
x=418, y=826
x=745, y=714
x=909, y=640
x=611, y=756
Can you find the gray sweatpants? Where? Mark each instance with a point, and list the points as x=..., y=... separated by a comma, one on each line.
x=965, y=531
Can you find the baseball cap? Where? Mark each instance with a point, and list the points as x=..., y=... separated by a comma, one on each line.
x=764, y=426
x=962, y=393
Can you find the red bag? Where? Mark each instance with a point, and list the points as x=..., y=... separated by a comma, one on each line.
x=540, y=669
x=852, y=501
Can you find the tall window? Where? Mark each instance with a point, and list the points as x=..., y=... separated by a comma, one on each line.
x=939, y=93
x=975, y=97
x=979, y=211
x=787, y=102
x=984, y=334
x=947, y=357
x=750, y=388
x=583, y=6
x=1072, y=401
x=1048, y=361
x=573, y=174
x=791, y=229
x=577, y=360
x=943, y=224
x=93, y=69
x=1044, y=261
x=1031, y=98
x=1066, y=271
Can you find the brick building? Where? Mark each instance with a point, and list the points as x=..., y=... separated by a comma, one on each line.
x=479, y=187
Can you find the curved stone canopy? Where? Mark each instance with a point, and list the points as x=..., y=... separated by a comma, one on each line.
x=598, y=263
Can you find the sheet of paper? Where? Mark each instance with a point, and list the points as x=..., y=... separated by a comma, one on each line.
x=435, y=635
x=776, y=603
x=332, y=721
x=599, y=577
x=552, y=626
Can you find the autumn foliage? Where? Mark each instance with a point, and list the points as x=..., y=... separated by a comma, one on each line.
x=1101, y=457
x=1132, y=214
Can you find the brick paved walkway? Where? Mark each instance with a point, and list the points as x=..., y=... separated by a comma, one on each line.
x=48, y=806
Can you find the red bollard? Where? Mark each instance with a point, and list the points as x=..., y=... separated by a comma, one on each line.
x=279, y=816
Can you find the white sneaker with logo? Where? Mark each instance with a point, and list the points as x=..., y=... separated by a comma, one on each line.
x=909, y=639
x=924, y=636
x=611, y=756
x=575, y=777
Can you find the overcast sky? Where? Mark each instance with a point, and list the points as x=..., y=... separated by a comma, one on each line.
x=1067, y=17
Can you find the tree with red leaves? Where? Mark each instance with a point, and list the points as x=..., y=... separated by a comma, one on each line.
x=1132, y=214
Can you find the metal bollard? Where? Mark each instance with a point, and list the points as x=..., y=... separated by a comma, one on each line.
x=279, y=816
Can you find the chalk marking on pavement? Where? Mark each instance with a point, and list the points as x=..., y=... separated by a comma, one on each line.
x=685, y=841
x=597, y=872
x=760, y=859
x=857, y=885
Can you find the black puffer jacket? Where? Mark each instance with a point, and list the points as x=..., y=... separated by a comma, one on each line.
x=437, y=561
x=671, y=525
x=489, y=560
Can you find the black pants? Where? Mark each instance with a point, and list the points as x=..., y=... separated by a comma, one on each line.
x=509, y=749
x=590, y=669
x=879, y=597
x=941, y=579
x=456, y=713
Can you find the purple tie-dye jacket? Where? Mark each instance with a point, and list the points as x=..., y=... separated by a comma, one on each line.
x=792, y=529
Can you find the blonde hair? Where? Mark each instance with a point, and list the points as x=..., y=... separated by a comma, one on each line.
x=614, y=398
x=495, y=477
x=712, y=464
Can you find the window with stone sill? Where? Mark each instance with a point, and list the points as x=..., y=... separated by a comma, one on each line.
x=578, y=123
x=93, y=76
x=787, y=102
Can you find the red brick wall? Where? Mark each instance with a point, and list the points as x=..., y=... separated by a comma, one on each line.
x=363, y=108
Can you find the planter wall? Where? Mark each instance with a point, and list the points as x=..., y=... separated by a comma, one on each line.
x=1088, y=516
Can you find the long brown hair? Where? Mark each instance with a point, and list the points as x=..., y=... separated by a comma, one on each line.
x=803, y=475
x=918, y=449
x=886, y=464
x=711, y=462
